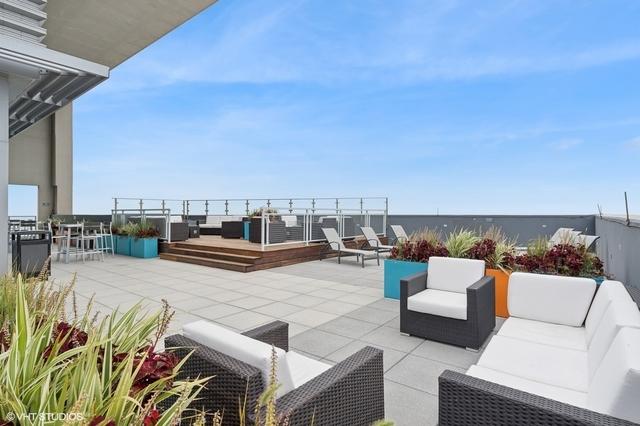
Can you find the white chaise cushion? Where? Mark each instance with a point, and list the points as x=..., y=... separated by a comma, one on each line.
x=448, y=304
x=290, y=220
x=619, y=313
x=451, y=274
x=242, y=348
x=303, y=369
x=607, y=291
x=556, y=393
x=615, y=388
x=566, y=368
x=549, y=298
x=562, y=336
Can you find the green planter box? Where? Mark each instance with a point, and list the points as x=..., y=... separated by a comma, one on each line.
x=123, y=244
x=396, y=270
x=144, y=248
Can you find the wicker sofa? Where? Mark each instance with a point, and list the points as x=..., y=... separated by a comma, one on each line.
x=564, y=357
x=213, y=224
x=453, y=302
x=348, y=393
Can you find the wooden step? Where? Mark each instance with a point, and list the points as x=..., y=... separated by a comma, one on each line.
x=210, y=254
x=214, y=263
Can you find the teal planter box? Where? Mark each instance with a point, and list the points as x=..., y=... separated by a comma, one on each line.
x=245, y=230
x=144, y=248
x=395, y=270
x=123, y=244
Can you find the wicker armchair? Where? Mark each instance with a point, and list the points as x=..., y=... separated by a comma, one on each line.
x=470, y=331
x=349, y=393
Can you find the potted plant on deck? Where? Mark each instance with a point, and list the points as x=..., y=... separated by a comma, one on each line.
x=144, y=240
x=277, y=230
x=122, y=237
x=410, y=257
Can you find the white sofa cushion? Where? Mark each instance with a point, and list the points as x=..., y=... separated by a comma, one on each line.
x=290, y=220
x=552, y=365
x=549, y=298
x=619, y=313
x=437, y=302
x=556, y=393
x=451, y=274
x=615, y=388
x=607, y=291
x=562, y=336
x=242, y=348
x=303, y=369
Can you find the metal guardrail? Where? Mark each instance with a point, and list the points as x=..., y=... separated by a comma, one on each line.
x=123, y=216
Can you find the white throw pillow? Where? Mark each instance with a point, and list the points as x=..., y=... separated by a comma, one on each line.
x=451, y=274
x=550, y=298
x=615, y=389
x=242, y=348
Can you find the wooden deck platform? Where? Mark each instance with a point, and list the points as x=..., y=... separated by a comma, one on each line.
x=241, y=255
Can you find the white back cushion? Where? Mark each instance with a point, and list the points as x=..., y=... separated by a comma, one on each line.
x=550, y=298
x=607, y=291
x=213, y=220
x=451, y=274
x=242, y=348
x=615, y=389
x=619, y=313
x=290, y=220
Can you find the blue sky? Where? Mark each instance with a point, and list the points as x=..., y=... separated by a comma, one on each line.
x=456, y=107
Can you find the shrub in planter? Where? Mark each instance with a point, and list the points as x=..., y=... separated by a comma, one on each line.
x=561, y=259
x=109, y=373
x=144, y=242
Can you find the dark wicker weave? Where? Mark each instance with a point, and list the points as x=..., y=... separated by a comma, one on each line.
x=349, y=393
x=469, y=333
x=232, y=229
x=466, y=400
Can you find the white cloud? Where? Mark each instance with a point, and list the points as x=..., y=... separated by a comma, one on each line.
x=566, y=144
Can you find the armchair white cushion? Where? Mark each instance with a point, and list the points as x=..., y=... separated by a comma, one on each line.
x=451, y=274
x=293, y=369
x=437, y=302
x=607, y=291
x=290, y=220
x=550, y=298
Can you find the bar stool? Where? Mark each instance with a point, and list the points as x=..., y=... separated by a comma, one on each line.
x=105, y=238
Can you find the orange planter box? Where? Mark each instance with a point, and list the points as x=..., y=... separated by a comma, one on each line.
x=502, y=289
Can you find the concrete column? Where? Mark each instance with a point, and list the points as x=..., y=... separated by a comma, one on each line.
x=4, y=174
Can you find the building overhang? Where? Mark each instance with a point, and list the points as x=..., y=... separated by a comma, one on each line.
x=43, y=80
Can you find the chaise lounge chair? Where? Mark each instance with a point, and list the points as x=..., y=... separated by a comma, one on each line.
x=335, y=243
x=400, y=233
x=373, y=240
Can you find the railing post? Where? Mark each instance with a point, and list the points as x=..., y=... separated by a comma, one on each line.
x=386, y=213
x=337, y=205
x=206, y=208
x=226, y=207
x=163, y=206
x=184, y=211
x=246, y=203
x=141, y=207
x=187, y=215
x=313, y=205
x=268, y=204
x=263, y=231
x=290, y=205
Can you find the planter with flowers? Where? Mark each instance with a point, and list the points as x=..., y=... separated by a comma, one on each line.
x=122, y=239
x=144, y=240
x=408, y=258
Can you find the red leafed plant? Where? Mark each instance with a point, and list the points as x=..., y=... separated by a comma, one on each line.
x=418, y=251
x=65, y=337
x=482, y=250
x=561, y=259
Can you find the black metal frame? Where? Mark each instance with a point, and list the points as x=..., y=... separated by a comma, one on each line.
x=349, y=393
x=470, y=333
